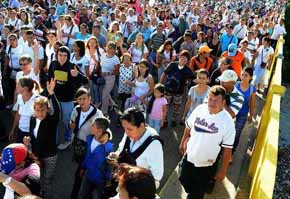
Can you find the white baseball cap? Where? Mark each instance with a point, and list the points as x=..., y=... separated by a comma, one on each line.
x=228, y=75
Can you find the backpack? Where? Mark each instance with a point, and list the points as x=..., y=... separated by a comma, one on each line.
x=172, y=84
x=127, y=157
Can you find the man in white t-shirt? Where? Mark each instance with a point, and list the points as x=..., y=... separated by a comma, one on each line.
x=263, y=59
x=36, y=56
x=205, y=135
x=279, y=29
x=240, y=30
x=253, y=42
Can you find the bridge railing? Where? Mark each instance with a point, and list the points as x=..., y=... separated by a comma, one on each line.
x=263, y=165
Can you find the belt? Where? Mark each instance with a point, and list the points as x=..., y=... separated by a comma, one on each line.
x=104, y=74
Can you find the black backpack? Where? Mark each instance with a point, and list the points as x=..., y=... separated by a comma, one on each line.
x=130, y=158
x=172, y=84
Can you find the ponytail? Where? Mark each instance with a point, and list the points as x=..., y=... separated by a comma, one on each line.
x=36, y=86
x=29, y=83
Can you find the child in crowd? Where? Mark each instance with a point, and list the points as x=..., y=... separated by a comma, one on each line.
x=23, y=107
x=95, y=169
x=42, y=137
x=197, y=94
x=157, y=108
x=81, y=119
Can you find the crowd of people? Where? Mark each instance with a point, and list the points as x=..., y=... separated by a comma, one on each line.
x=68, y=66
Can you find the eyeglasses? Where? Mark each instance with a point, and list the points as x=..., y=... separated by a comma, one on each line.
x=23, y=64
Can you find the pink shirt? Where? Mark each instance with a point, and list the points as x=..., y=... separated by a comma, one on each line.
x=32, y=170
x=156, y=112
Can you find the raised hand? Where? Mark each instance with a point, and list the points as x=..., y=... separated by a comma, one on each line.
x=50, y=86
x=74, y=72
x=36, y=47
x=58, y=24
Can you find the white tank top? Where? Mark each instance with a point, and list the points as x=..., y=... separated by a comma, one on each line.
x=141, y=88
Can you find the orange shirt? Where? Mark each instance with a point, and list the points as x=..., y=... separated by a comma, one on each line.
x=237, y=61
x=196, y=65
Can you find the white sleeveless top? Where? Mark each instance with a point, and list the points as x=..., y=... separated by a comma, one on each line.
x=141, y=88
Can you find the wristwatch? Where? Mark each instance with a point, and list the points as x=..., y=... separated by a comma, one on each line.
x=7, y=181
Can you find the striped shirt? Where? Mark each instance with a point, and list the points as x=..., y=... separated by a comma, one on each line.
x=236, y=100
x=253, y=44
x=157, y=40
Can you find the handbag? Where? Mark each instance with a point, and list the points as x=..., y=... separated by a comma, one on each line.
x=79, y=148
x=96, y=78
x=263, y=64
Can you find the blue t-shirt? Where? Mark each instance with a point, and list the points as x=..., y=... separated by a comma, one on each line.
x=82, y=37
x=147, y=33
x=247, y=97
x=226, y=40
x=61, y=9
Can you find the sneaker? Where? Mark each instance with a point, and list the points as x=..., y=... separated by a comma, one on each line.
x=64, y=145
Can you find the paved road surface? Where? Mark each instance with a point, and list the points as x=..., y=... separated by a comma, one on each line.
x=66, y=168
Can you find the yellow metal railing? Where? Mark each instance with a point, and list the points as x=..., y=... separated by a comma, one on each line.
x=263, y=163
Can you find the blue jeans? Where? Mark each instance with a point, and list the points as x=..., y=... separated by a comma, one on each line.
x=160, y=71
x=96, y=92
x=153, y=70
x=155, y=124
x=239, y=125
x=63, y=127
